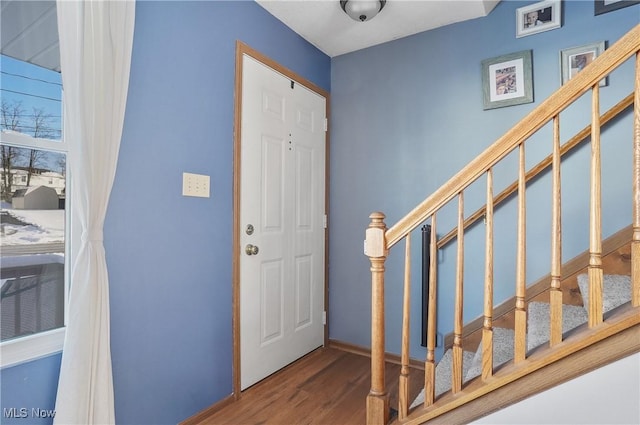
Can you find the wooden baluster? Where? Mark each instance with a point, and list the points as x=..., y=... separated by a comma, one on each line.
x=595, y=219
x=376, y=250
x=430, y=365
x=521, y=264
x=456, y=376
x=487, y=331
x=403, y=403
x=635, y=244
x=555, y=296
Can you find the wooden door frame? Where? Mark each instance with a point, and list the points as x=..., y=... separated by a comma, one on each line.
x=241, y=50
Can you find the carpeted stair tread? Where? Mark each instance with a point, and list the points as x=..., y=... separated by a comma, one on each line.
x=538, y=319
x=616, y=291
x=443, y=374
x=502, y=351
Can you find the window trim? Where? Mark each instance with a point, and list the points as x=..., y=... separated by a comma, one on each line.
x=25, y=141
x=32, y=347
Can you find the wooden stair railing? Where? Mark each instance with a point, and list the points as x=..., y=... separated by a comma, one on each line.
x=616, y=260
x=379, y=240
x=535, y=171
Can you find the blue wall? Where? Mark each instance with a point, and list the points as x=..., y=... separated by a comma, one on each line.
x=407, y=115
x=30, y=385
x=169, y=256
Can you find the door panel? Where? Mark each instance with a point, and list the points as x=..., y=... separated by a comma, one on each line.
x=271, y=305
x=273, y=105
x=303, y=288
x=272, y=180
x=304, y=188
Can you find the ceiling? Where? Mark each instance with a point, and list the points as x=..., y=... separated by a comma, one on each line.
x=29, y=29
x=326, y=26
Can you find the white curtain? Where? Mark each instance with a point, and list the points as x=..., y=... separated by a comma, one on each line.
x=96, y=40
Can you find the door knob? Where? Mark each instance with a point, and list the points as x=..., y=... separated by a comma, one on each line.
x=251, y=249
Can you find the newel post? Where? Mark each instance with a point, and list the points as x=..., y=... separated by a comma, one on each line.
x=375, y=248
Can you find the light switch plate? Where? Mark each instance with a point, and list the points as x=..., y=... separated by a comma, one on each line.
x=195, y=185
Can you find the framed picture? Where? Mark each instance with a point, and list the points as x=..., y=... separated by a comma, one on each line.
x=538, y=17
x=575, y=59
x=604, y=6
x=506, y=80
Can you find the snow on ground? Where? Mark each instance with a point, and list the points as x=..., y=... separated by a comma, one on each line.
x=44, y=226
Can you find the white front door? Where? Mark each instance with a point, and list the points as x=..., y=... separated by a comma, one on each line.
x=282, y=207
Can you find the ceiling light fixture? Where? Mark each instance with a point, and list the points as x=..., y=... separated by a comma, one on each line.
x=362, y=10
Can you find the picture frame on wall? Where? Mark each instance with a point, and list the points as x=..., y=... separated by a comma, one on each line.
x=538, y=17
x=604, y=6
x=507, y=80
x=575, y=59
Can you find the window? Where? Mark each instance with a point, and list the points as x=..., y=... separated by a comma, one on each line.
x=34, y=214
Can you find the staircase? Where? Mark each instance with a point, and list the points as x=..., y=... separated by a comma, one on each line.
x=547, y=340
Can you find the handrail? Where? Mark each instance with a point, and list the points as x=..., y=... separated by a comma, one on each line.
x=541, y=166
x=610, y=59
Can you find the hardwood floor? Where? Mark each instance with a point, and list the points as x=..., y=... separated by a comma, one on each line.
x=328, y=386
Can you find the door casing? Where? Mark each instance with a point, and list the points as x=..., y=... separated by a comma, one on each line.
x=243, y=49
